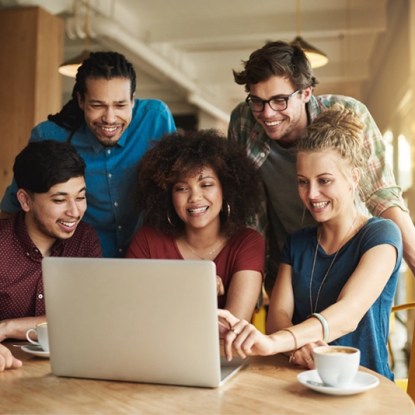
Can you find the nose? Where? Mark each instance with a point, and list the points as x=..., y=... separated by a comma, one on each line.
x=268, y=111
x=313, y=191
x=109, y=115
x=73, y=210
x=194, y=194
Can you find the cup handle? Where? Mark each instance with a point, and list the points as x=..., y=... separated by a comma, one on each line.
x=29, y=339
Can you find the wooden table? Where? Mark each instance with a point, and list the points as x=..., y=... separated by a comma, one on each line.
x=267, y=386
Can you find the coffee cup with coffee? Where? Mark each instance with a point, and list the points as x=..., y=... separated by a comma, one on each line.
x=337, y=366
x=41, y=331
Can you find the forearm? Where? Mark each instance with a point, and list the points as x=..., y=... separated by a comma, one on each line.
x=16, y=328
x=243, y=294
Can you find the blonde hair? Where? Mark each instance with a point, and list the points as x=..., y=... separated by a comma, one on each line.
x=337, y=128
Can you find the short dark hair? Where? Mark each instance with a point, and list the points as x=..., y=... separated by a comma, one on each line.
x=186, y=153
x=277, y=59
x=41, y=165
x=99, y=65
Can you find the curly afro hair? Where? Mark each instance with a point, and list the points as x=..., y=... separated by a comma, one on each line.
x=185, y=154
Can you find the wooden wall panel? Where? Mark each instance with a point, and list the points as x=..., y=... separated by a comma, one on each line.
x=31, y=44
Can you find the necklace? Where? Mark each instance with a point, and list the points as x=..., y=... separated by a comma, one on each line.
x=209, y=254
x=314, y=309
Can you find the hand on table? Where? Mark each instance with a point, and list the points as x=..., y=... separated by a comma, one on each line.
x=7, y=360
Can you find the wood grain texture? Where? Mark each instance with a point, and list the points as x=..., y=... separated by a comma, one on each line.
x=267, y=385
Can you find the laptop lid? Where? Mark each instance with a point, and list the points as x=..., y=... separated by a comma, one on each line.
x=143, y=320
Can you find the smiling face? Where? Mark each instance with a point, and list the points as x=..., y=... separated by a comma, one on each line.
x=197, y=199
x=107, y=107
x=326, y=184
x=284, y=126
x=55, y=214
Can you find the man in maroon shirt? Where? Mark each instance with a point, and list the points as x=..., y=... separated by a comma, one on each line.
x=52, y=196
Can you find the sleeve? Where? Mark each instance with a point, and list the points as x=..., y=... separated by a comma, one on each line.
x=234, y=129
x=384, y=231
x=250, y=252
x=378, y=187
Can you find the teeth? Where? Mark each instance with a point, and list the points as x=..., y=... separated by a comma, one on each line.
x=109, y=129
x=273, y=123
x=319, y=205
x=198, y=210
x=68, y=224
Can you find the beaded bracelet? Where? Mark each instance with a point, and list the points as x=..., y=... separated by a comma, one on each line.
x=325, y=325
x=293, y=335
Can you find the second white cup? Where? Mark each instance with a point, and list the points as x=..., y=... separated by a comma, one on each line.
x=41, y=330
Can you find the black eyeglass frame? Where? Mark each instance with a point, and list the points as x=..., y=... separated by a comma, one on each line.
x=249, y=100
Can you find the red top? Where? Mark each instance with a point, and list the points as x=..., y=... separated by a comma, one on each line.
x=244, y=251
x=21, y=286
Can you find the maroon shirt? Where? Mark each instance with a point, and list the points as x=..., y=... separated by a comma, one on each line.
x=243, y=251
x=21, y=286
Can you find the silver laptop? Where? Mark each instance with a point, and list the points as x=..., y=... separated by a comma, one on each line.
x=141, y=320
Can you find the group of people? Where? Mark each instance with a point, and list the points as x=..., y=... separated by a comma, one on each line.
x=298, y=198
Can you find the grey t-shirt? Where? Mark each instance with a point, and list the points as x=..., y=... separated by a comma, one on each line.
x=286, y=212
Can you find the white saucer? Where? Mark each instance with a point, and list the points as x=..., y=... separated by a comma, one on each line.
x=362, y=382
x=35, y=350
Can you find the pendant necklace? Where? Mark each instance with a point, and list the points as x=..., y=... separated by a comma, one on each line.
x=208, y=255
x=314, y=309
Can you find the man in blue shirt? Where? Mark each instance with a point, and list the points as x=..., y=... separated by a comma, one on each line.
x=111, y=131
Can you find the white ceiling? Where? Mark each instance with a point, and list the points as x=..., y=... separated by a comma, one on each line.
x=184, y=50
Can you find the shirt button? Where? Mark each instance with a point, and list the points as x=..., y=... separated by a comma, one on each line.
x=109, y=175
x=40, y=296
x=120, y=250
x=108, y=151
x=119, y=227
x=262, y=154
x=115, y=203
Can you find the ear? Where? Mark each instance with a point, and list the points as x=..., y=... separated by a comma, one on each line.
x=306, y=93
x=24, y=199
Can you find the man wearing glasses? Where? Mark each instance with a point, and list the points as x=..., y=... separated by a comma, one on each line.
x=280, y=104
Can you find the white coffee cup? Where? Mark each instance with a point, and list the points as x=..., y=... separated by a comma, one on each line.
x=337, y=366
x=41, y=330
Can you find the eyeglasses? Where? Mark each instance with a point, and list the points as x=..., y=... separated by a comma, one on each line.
x=276, y=103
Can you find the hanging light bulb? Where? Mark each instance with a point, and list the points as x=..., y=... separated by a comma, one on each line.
x=316, y=57
x=70, y=67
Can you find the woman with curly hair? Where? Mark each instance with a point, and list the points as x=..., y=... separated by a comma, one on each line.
x=198, y=193
x=337, y=280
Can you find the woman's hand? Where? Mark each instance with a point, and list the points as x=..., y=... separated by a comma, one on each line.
x=243, y=337
x=304, y=355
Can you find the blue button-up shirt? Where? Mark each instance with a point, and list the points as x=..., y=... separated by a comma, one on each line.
x=110, y=172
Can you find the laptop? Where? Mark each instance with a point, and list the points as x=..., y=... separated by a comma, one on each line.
x=139, y=320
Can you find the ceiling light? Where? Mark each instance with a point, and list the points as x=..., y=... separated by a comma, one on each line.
x=316, y=57
x=70, y=67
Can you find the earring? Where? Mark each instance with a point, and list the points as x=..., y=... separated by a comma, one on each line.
x=227, y=210
x=169, y=219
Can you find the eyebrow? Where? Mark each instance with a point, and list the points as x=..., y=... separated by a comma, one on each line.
x=98, y=101
x=273, y=97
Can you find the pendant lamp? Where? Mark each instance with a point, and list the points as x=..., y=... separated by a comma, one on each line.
x=316, y=57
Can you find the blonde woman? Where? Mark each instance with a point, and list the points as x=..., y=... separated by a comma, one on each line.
x=337, y=280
